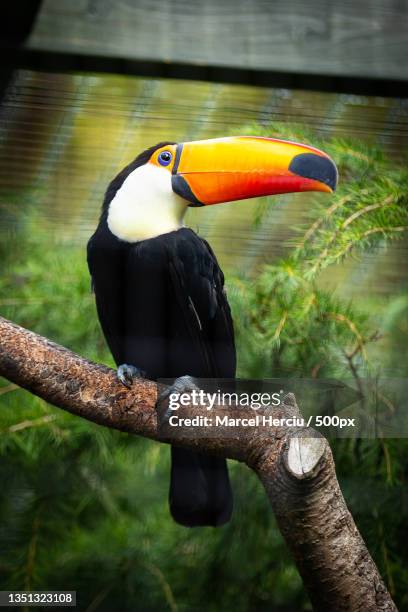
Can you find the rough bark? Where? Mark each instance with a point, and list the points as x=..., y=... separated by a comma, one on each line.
x=295, y=465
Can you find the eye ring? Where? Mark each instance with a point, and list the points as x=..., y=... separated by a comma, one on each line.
x=165, y=158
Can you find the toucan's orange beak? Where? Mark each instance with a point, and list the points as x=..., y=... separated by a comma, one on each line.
x=224, y=169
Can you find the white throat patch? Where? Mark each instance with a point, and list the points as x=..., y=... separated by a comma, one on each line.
x=146, y=206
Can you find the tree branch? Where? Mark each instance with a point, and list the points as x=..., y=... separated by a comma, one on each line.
x=295, y=465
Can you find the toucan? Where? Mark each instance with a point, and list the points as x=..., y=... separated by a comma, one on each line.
x=159, y=290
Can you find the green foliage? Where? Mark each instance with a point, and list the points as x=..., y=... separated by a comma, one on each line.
x=85, y=508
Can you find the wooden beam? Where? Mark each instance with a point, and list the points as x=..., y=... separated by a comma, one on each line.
x=364, y=39
x=47, y=61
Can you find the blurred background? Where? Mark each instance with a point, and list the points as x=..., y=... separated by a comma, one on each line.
x=86, y=85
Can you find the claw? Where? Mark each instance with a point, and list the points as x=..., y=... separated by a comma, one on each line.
x=183, y=384
x=126, y=373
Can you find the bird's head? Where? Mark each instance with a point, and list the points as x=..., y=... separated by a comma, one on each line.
x=162, y=182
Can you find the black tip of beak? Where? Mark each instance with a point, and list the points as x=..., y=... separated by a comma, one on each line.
x=316, y=167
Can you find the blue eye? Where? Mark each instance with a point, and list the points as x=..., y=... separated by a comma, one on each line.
x=165, y=158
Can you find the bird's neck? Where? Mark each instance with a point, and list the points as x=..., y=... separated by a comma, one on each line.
x=145, y=207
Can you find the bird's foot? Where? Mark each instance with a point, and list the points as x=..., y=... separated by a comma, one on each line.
x=126, y=373
x=183, y=384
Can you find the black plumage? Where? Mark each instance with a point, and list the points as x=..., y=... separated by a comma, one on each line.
x=162, y=307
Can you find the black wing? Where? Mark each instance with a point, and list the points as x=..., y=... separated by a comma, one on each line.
x=198, y=284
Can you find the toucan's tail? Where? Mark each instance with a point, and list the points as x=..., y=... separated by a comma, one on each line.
x=200, y=490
